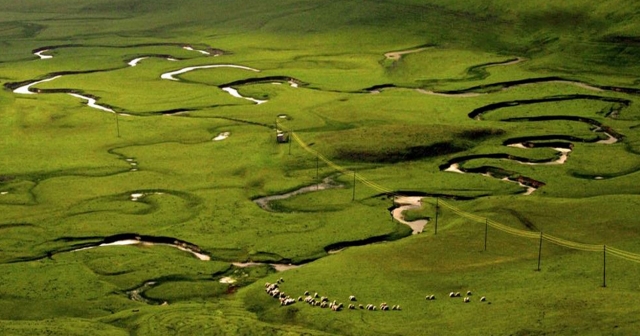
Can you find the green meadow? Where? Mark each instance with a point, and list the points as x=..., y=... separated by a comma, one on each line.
x=139, y=214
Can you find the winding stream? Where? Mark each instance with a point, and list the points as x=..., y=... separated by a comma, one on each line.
x=42, y=55
x=327, y=183
x=562, y=150
x=135, y=61
x=409, y=203
x=26, y=89
x=170, y=75
x=91, y=102
x=141, y=240
x=236, y=94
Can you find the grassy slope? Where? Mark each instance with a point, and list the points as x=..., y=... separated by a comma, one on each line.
x=82, y=188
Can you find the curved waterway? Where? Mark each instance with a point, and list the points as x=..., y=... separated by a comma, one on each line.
x=327, y=183
x=135, y=61
x=277, y=267
x=141, y=240
x=91, y=102
x=42, y=55
x=562, y=149
x=405, y=203
x=236, y=94
x=170, y=75
x=396, y=55
x=26, y=89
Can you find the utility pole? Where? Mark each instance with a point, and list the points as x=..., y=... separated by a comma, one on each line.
x=437, y=207
x=540, y=251
x=353, y=197
x=486, y=229
x=604, y=266
x=117, y=124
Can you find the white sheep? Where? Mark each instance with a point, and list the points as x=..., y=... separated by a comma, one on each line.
x=452, y=294
x=352, y=298
x=482, y=299
x=351, y=306
x=466, y=299
x=468, y=293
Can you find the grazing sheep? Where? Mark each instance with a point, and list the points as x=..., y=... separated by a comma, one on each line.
x=457, y=294
x=324, y=305
x=398, y=307
x=352, y=298
x=324, y=299
x=452, y=294
x=299, y=298
x=306, y=293
x=351, y=306
x=466, y=299
x=482, y=299
x=361, y=306
x=281, y=280
x=432, y=297
x=468, y=293
x=315, y=296
x=266, y=285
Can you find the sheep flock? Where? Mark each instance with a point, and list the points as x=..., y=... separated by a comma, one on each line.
x=316, y=300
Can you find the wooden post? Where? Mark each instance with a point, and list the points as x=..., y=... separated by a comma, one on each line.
x=436, y=226
x=604, y=265
x=117, y=124
x=486, y=229
x=540, y=251
x=353, y=197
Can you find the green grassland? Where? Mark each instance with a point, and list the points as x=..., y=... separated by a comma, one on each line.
x=73, y=176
